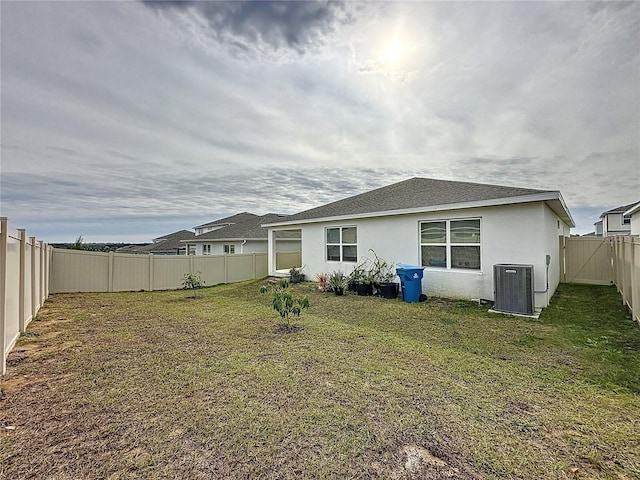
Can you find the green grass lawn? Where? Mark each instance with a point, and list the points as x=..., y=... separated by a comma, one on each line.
x=156, y=385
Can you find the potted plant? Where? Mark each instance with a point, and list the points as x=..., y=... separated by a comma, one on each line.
x=296, y=274
x=383, y=276
x=364, y=286
x=386, y=287
x=337, y=281
x=355, y=276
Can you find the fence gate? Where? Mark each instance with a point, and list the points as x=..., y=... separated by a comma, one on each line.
x=586, y=260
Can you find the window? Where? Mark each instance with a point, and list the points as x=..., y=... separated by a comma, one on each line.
x=342, y=244
x=451, y=244
x=229, y=248
x=626, y=219
x=206, y=249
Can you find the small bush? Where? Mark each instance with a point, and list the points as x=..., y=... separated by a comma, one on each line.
x=192, y=281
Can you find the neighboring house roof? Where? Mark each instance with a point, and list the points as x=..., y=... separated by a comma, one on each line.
x=634, y=209
x=427, y=194
x=621, y=209
x=238, y=217
x=166, y=243
x=248, y=229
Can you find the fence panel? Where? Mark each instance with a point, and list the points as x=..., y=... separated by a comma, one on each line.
x=602, y=261
x=262, y=265
x=286, y=260
x=130, y=272
x=27, y=294
x=168, y=271
x=587, y=260
x=23, y=269
x=12, y=289
x=79, y=271
x=211, y=268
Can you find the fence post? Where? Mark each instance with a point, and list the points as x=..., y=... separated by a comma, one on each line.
x=33, y=277
x=23, y=279
x=4, y=225
x=47, y=270
x=41, y=273
x=110, y=287
x=563, y=253
x=635, y=280
x=226, y=268
x=253, y=266
x=151, y=272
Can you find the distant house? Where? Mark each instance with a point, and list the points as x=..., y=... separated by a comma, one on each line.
x=223, y=222
x=457, y=230
x=614, y=222
x=633, y=214
x=241, y=233
x=170, y=244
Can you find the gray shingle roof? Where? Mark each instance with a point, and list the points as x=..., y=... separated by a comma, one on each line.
x=166, y=243
x=238, y=217
x=411, y=194
x=248, y=229
x=620, y=209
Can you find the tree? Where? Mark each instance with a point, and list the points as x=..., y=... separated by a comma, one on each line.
x=79, y=243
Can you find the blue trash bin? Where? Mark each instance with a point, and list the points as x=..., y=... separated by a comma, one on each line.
x=411, y=281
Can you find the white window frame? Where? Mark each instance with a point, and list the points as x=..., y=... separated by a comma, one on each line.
x=229, y=249
x=206, y=249
x=341, y=244
x=448, y=244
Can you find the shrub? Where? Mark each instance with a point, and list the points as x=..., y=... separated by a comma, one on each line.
x=192, y=281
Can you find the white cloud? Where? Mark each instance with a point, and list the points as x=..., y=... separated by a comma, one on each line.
x=114, y=110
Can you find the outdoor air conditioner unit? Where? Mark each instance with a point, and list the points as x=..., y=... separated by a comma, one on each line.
x=513, y=289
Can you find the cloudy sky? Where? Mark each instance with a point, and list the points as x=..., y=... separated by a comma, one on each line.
x=123, y=121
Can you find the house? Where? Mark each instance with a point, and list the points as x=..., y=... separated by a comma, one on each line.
x=170, y=244
x=633, y=214
x=614, y=222
x=457, y=230
x=242, y=233
x=223, y=222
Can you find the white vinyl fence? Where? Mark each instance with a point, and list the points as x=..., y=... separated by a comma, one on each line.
x=24, y=283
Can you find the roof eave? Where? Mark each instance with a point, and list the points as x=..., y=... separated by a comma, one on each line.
x=536, y=197
x=632, y=210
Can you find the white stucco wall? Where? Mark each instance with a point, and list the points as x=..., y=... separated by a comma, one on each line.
x=522, y=234
x=612, y=225
x=635, y=223
x=251, y=246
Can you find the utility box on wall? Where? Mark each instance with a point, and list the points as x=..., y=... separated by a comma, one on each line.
x=513, y=289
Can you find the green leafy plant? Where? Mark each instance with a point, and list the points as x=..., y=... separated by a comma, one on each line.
x=192, y=281
x=337, y=280
x=381, y=272
x=285, y=303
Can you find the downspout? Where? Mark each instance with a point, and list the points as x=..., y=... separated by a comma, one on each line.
x=242, y=246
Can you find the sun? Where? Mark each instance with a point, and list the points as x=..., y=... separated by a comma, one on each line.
x=393, y=52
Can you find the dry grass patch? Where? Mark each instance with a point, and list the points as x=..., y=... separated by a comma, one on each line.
x=152, y=385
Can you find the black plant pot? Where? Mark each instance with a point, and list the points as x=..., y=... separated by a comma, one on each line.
x=339, y=291
x=388, y=290
x=364, y=289
x=351, y=286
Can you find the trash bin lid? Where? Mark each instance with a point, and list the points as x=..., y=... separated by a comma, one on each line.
x=406, y=266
